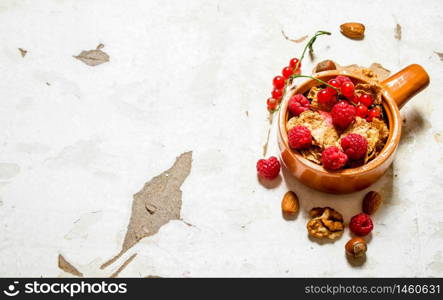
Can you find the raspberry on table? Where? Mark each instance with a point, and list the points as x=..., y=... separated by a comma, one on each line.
x=298, y=104
x=268, y=168
x=361, y=224
x=299, y=137
x=333, y=158
x=354, y=145
x=343, y=114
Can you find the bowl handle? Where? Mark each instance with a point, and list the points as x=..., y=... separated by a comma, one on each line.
x=404, y=84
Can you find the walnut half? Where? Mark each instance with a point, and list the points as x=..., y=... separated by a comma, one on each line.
x=325, y=223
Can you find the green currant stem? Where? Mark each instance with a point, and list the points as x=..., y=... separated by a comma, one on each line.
x=353, y=103
x=309, y=46
x=319, y=80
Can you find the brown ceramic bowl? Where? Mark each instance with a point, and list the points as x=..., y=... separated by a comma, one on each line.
x=397, y=90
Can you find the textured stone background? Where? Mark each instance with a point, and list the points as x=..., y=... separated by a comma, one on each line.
x=78, y=141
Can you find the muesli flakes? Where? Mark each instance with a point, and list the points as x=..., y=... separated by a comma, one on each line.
x=323, y=132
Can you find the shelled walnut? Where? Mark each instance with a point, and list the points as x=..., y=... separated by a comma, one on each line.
x=325, y=223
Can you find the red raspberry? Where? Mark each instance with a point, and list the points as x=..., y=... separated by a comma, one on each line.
x=298, y=104
x=333, y=158
x=341, y=79
x=299, y=137
x=343, y=114
x=361, y=224
x=268, y=168
x=354, y=145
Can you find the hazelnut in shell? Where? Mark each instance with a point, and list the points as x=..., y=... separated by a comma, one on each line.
x=356, y=247
x=325, y=65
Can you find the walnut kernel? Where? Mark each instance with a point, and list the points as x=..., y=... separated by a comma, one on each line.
x=325, y=223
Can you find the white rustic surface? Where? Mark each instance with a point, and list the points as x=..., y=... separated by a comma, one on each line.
x=181, y=77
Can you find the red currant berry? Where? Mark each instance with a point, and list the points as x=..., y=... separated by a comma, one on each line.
x=279, y=82
x=347, y=89
x=272, y=104
x=362, y=111
x=365, y=99
x=353, y=100
x=277, y=94
x=287, y=72
x=373, y=113
x=298, y=71
x=293, y=62
x=335, y=84
x=324, y=96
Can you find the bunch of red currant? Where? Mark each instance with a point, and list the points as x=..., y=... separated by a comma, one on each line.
x=344, y=85
x=279, y=83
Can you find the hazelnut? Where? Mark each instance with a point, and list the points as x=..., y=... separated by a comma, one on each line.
x=356, y=247
x=289, y=204
x=325, y=65
x=353, y=30
x=371, y=202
